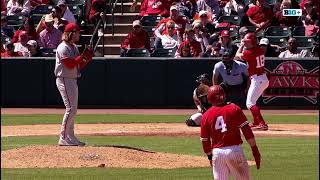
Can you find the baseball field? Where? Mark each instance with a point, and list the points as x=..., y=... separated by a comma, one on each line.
x=135, y=144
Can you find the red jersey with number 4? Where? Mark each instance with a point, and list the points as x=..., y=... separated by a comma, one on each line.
x=222, y=125
x=255, y=58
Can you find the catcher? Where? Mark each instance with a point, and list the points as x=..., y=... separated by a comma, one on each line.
x=200, y=100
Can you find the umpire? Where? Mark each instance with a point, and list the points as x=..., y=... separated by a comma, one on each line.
x=232, y=76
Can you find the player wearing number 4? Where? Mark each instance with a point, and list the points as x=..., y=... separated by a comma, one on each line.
x=254, y=56
x=221, y=137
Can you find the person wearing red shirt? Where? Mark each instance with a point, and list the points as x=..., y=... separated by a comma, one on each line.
x=221, y=137
x=260, y=15
x=155, y=7
x=195, y=46
x=138, y=38
x=180, y=23
x=10, y=51
x=254, y=56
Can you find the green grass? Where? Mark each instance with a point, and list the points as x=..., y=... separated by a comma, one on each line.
x=282, y=159
x=12, y=120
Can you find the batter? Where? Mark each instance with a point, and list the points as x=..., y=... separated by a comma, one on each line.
x=255, y=58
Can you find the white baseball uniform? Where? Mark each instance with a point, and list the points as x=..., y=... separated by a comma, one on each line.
x=66, y=81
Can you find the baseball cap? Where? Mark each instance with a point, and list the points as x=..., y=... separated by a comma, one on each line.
x=174, y=7
x=136, y=23
x=264, y=41
x=48, y=18
x=32, y=43
x=243, y=30
x=225, y=33
x=203, y=12
x=71, y=27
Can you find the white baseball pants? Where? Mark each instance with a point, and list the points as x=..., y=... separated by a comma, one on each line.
x=257, y=86
x=230, y=160
x=196, y=118
x=68, y=89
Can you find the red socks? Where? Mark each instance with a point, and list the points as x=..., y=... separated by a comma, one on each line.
x=257, y=117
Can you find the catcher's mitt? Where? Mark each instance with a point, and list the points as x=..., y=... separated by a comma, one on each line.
x=190, y=122
x=202, y=92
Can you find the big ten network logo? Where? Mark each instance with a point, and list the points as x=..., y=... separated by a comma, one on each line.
x=291, y=12
x=290, y=79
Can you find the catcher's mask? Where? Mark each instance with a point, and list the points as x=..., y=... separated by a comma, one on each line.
x=204, y=79
x=202, y=93
x=216, y=95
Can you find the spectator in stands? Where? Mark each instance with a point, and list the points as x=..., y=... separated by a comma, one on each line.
x=9, y=52
x=260, y=15
x=18, y=8
x=211, y=6
x=186, y=8
x=185, y=51
x=66, y=13
x=6, y=31
x=138, y=38
x=195, y=46
x=212, y=51
x=311, y=29
x=49, y=37
x=28, y=26
x=33, y=48
x=155, y=7
x=293, y=51
x=169, y=39
x=21, y=45
x=207, y=27
x=235, y=7
x=180, y=23
x=199, y=35
x=96, y=9
x=269, y=50
x=3, y=8
x=59, y=23
x=35, y=3
x=287, y=21
x=309, y=13
x=226, y=43
x=242, y=32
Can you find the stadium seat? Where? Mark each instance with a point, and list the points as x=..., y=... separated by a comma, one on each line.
x=259, y=34
x=150, y=30
x=48, y=52
x=232, y=19
x=36, y=18
x=150, y=20
x=15, y=21
x=282, y=42
x=298, y=31
x=74, y=2
x=277, y=31
x=233, y=31
x=75, y=9
x=5, y=39
x=138, y=53
x=164, y=53
x=305, y=42
x=42, y=9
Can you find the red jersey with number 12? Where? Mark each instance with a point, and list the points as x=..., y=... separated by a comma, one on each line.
x=222, y=125
x=255, y=58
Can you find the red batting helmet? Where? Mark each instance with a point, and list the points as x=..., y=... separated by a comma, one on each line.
x=216, y=95
x=251, y=37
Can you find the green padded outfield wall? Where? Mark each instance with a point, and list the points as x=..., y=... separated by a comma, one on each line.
x=149, y=83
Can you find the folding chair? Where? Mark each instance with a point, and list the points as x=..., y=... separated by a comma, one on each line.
x=164, y=53
x=277, y=31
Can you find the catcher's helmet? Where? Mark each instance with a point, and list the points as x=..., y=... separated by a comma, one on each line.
x=216, y=95
x=203, y=78
x=251, y=37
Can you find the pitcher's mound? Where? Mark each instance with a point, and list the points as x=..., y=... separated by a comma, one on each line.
x=46, y=156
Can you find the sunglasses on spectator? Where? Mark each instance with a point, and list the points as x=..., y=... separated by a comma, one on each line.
x=203, y=16
x=170, y=27
x=137, y=27
x=197, y=27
